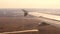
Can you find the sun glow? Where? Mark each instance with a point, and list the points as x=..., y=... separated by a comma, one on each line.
x=29, y=4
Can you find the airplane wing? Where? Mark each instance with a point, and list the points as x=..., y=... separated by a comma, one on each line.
x=47, y=18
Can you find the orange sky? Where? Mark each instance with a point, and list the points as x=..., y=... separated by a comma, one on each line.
x=30, y=4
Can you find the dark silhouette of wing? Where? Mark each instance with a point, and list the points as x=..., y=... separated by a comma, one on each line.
x=25, y=12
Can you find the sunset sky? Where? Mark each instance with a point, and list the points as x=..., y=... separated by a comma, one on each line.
x=30, y=4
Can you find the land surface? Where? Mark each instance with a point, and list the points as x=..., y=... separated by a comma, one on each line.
x=11, y=21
